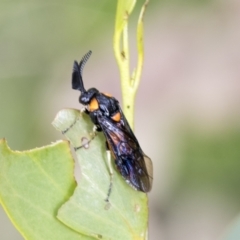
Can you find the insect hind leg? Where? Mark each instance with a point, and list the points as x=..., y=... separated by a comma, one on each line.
x=109, y=163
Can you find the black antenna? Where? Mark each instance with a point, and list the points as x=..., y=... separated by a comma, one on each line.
x=77, y=81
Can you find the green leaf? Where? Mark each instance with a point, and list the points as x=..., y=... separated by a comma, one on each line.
x=86, y=211
x=33, y=185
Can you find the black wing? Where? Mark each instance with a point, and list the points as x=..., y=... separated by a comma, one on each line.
x=132, y=163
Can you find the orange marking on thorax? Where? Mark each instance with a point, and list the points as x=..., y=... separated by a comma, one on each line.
x=116, y=117
x=93, y=105
x=107, y=94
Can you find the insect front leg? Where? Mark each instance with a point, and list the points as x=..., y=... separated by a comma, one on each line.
x=84, y=110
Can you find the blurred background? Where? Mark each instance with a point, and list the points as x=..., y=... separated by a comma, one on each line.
x=187, y=107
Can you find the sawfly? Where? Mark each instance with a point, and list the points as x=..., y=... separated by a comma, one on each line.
x=107, y=116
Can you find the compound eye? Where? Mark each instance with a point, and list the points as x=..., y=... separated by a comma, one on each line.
x=84, y=99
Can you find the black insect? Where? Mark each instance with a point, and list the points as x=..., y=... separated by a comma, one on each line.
x=107, y=116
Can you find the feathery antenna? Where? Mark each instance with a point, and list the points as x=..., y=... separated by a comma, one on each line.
x=77, y=81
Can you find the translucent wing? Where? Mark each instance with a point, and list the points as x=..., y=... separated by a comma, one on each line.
x=134, y=166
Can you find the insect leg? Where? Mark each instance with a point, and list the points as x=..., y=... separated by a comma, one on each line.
x=66, y=130
x=84, y=110
x=109, y=163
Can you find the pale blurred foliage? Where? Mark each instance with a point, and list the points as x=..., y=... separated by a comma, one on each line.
x=187, y=107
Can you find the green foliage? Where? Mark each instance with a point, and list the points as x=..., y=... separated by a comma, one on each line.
x=86, y=211
x=33, y=185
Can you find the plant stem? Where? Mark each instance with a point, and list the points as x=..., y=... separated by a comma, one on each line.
x=129, y=82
